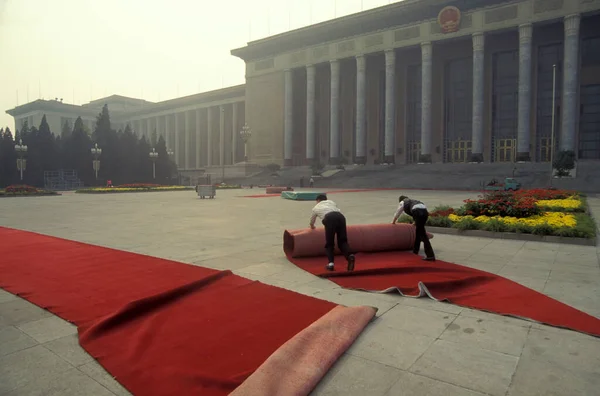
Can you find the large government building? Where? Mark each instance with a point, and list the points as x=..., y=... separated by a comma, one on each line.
x=415, y=81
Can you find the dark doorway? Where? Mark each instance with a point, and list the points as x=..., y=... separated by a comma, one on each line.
x=505, y=99
x=548, y=55
x=413, y=113
x=458, y=109
x=589, y=122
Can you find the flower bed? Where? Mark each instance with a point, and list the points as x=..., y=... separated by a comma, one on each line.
x=541, y=212
x=131, y=188
x=223, y=186
x=23, y=190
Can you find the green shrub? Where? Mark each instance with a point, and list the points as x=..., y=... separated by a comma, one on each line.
x=495, y=226
x=586, y=226
x=564, y=163
x=273, y=167
x=406, y=219
x=520, y=228
x=466, y=223
x=439, y=221
x=542, y=229
x=442, y=208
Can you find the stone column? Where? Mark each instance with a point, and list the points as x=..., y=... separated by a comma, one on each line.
x=158, y=132
x=187, y=140
x=149, y=131
x=198, y=141
x=176, y=148
x=168, y=133
x=208, y=137
x=234, y=132
x=361, y=135
x=478, y=97
x=570, y=83
x=310, y=113
x=288, y=126
x=426, y=86
x=390, y=106
x=221, y=135
x=334, y=112
x=525, y=70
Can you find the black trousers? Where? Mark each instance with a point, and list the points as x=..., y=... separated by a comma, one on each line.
x=420, y=217
x=335, y=224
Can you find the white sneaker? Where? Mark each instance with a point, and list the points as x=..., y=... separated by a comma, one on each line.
x=330, y=267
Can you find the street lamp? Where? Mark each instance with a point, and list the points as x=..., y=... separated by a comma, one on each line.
x=96, y=161
x=170, y=153
x=245, y=134
x=21, y=150
x=153, y=157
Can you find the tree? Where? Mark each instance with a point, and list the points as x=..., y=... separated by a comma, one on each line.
x=8, y=158
x=108, y=141
x=66, y=130
x=165, y=168
x=564, y=163
x=76, y=153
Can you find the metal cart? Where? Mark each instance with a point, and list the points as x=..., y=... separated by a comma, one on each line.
x=206, y=191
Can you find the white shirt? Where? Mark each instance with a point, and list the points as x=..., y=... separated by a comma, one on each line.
x=321, y=209
x=400, y=209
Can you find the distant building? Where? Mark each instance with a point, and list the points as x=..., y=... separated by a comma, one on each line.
x=208, y=124
x=416, y=81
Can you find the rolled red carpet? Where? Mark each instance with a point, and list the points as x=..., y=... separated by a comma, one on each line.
x=167, y=328
x=381, y=267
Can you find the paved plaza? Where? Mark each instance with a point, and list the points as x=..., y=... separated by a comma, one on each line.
x=414, y=347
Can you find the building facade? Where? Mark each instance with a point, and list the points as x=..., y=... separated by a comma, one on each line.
x=201, y=130
x=440, y=81
x=429, y=81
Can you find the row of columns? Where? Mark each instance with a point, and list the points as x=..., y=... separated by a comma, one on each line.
x=185, y=159
x=569, y=105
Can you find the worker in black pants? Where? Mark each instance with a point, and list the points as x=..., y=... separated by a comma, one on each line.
x=418, y=211
x=335, y=224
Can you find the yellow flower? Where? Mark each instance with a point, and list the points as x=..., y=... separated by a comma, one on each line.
x=553, y=219
x=568, y=203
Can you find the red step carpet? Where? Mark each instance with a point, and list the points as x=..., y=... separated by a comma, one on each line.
x=166, y=328
x=406, y=273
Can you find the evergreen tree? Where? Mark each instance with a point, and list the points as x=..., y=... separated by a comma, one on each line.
x=76, y=153
x=128, y=143
x=8, y=159
x=108, y=141
x=164, y=166
x=143, y=161
x=66, y=130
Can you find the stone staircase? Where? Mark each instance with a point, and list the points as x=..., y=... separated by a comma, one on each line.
x=462, y=176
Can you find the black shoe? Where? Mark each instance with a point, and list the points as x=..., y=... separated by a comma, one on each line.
x=330, y=267
x=417, y=252
x=428, y=258
x=351, y=260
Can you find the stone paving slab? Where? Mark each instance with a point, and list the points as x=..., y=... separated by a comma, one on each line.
x=413, y=347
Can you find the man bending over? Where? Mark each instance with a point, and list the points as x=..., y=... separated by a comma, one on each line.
x=335, y=224
x=418, y=211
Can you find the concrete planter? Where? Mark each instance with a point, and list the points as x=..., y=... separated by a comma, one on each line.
x=513, y=236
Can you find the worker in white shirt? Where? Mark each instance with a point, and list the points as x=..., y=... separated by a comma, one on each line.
x=335, y=224
x=418, y=211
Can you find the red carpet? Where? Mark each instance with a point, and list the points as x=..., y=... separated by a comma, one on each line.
x=161, y=327
x=402, y=271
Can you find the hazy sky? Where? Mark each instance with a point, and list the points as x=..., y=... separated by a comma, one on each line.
x=151, y=49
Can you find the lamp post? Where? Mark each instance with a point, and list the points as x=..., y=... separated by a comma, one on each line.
x=153, y=157
x=96, y=151
x=21, y=150
x=245, y=134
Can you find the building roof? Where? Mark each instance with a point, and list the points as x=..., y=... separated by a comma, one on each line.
x=51, y=105
x=117, y=99
x=200, y=98
x=137, y=106
x=385, y=17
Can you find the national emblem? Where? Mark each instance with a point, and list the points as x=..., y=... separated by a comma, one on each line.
x=449, y=19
